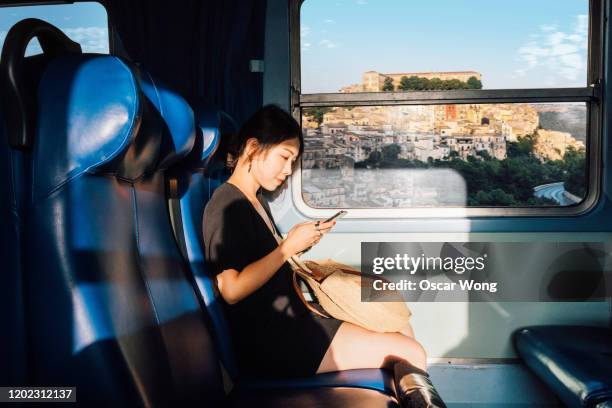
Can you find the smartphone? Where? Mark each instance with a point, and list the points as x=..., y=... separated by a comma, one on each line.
x=339, y=214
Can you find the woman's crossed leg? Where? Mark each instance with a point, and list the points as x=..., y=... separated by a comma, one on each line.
x=355, y=347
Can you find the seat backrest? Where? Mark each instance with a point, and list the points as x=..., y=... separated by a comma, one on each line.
x=110, y=308
x=196, y=181
x=19, y=78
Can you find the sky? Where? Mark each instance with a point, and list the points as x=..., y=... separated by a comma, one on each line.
x=85, y=23
x=513, y=44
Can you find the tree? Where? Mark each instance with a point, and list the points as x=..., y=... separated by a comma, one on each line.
x=524, y=146
x=474, y=83
x=455, y=84
x=415, y=83
x=421, y=84
x=484, y=154
x=388, y=85
x=495, y=197
x=575, y=165
x=404, y=83
x=390, y=152
x=435, y=84
x=374, y=158
x=317, y=113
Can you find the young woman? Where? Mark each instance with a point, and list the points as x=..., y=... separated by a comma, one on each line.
x=274, y=333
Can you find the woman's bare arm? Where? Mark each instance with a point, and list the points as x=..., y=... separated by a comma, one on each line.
x=235, y=285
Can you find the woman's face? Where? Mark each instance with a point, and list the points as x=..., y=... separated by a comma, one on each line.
x=272, y=166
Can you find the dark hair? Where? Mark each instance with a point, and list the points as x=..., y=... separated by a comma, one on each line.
x=270, y=125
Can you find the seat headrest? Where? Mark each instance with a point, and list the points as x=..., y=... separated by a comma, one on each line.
x=179, y=130
x=17, y=82
x=92, y=118
x=214, y=128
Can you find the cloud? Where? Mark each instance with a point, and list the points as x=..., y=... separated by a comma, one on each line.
x=92, y=39
x=562, y=54
x=521, y=72
x=328, y=44
x=307, y=40
x=548, y=27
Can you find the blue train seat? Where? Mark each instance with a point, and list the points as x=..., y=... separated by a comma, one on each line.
x=111, y=308
x=197, y=180
x=19, y=78
x=192, y=185
x=574, y=361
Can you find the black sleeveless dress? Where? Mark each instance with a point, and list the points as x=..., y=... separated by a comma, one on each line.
x=273, y=333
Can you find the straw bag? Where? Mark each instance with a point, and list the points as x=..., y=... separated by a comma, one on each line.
x=337, y=288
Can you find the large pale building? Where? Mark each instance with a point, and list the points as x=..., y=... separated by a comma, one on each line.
x=373, y=81
x=553, y=145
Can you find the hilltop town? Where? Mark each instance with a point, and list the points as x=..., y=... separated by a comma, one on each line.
x=337, y=138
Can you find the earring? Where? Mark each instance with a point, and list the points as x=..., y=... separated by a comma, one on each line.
x=250, y=167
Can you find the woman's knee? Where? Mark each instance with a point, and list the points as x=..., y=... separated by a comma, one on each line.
x=420, y=359
x=406, y=349
x=355, y=347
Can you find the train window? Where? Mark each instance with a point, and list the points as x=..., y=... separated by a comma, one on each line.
x=84, y=22
x=447, y=104
x=444, y=155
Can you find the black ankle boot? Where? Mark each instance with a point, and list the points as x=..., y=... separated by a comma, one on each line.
x=414, y=388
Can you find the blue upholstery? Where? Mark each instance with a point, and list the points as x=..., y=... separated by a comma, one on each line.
x=178, y=118
x=575, y=361
x=372, y=379
x=99, y=131
x=19, y=78
x=216, y=127
x=13, y=199
x=110, y=308
x=199, y=183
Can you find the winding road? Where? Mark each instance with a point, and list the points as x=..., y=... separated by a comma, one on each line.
x=553, y=191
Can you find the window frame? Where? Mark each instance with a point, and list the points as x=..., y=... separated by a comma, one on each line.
x=591, y=95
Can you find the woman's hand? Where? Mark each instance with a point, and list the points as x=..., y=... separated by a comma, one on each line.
x=303, y=236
